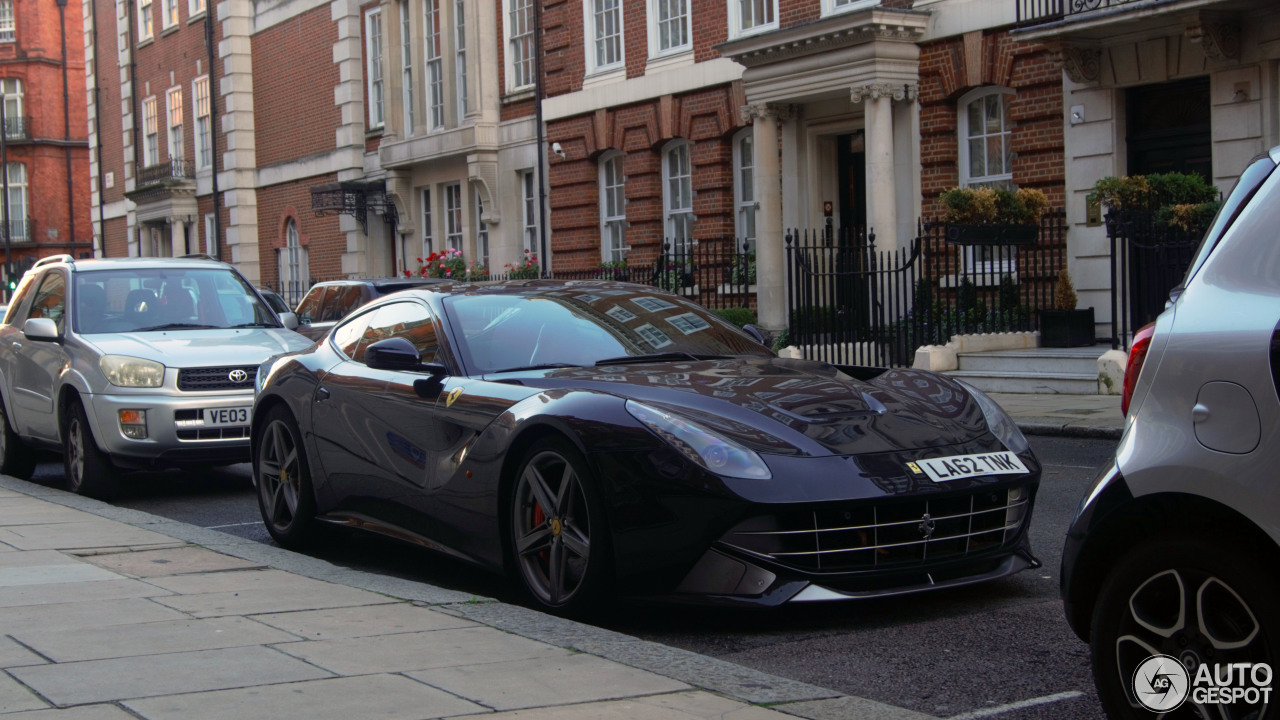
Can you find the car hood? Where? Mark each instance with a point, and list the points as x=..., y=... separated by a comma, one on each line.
x=794, y=406
x=201, y=348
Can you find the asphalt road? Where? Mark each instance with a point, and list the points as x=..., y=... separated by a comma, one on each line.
x=1001, y=649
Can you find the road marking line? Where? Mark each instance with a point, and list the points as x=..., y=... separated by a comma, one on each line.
x=988, y=712
x=219, y=527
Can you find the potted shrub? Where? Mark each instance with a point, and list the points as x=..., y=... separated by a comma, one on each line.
x=993, y=216
x=613, y=270
x=1166, y=202
x=1064, y=325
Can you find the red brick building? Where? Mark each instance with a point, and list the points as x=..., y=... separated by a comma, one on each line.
x=46, y=144
x=697, y=121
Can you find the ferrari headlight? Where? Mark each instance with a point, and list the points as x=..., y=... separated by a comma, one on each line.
x=1001, y=425
x=125, y=371
x=704, y=447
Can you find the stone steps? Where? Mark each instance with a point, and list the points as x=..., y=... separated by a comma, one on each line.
x=1067, y=371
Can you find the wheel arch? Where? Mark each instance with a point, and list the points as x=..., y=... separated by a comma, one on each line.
x=1145, y=516
x=524, y=439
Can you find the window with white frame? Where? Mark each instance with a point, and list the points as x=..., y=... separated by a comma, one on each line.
x=752, y=16
x=482, y=234
x=14, y=122
x=677, y=196
x=209, y=248
x=427, y=240
x=170, y=17
x=460, y=56
x=435, y=64
x=195, y=7
x=529, y=210
x=669, y=27
x=150, y=133
x=8, y=25
x=204, y=128
x=18, y=229
x=744, y=190
x=986, y=133
x=604, y=34
x=519, y=30
x=174, y=106
x=831, y=7
x=295, y=271
x=453, y=216
x=373, y=65
x=406, y=66
x=145, y=22
x=985, y=130
x=613, y=213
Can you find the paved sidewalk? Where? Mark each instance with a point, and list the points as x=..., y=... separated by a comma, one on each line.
x=1068, y=415
x=108, y=613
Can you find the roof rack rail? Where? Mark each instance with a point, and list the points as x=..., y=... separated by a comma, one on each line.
x=54, y=259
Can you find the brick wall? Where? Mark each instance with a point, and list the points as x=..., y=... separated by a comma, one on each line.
x=325, y=243
x=293, y=80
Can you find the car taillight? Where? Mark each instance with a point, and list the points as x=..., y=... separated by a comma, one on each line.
x=1137, y=356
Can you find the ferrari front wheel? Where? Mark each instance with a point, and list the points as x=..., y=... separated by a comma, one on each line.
x=283, y=477
x=558, y=533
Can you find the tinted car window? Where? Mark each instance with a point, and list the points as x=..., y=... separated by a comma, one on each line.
x=347, y=336
x=344, y=299
x=15, y=304
x=144, y=299
x=582, y=328
x=408, y=320
x=309, y=308
x=51, y=299
x=1250, y=180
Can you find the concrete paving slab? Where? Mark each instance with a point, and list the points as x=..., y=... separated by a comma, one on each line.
x=170, y=561
x=251, y=592
x=83, y=712
x=14, y=655
x=843, y=708
x=34, y=558
x=95, y=681
x=355, y=622
x=79, y=591
x=14, y=697
x=21, y=510
x=6, y=493
x=421, y=651
x=682, y=706
x=72, y=615
x=171, y=636
x=541, y=682
x=48, y=574
x=92, y=533
x=387, y=697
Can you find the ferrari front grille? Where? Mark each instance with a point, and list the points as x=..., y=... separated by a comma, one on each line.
x=868, y=536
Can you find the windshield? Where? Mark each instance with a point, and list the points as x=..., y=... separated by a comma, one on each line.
x=141, y=300
x=585, y=327
x=1250, y=180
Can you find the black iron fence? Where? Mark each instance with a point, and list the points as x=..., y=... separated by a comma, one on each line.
x=1035, y=12
x=171, y=169
x=1148, y=260
x=851, y=302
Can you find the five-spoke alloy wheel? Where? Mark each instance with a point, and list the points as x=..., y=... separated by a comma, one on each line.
x=282, y=475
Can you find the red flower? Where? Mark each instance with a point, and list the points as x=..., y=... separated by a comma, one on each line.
x=407, y=273
x=419, y=261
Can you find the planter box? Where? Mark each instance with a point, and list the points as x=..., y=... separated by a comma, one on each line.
x=1067, y=328
x=992, y=234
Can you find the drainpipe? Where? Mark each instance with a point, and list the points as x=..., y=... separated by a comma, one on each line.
x=542, y=140
x=66, y=121
x=97, y=132
x=133, y=104
x=213, y=129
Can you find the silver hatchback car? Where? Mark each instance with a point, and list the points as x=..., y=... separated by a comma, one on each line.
x=132, y=363
x=1171, y=569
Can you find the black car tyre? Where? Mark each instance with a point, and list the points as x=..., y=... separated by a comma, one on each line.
x=1193, y=598
x=283, y=477
x=559, y=538
x=88, y=470
x=16, y=459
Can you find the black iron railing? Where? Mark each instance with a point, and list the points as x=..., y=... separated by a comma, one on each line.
x=17, y=128
x=1148, y=260
x=1037, y=12
x=171, y=169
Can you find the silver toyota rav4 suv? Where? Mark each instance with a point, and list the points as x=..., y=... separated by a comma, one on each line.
x=132, y=363
x=1171, y=569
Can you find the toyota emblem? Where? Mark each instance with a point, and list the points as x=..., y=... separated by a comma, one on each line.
x=237, y=376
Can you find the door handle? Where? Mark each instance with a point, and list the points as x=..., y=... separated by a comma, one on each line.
x=322, y=394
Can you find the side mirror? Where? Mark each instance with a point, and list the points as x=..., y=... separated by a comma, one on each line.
x=397, y=353
x=44, y=329
x=290, y=320
x=756, y=333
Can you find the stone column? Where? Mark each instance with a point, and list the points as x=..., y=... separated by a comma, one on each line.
x=178, y=237
x=882, y=213
x=771, y=278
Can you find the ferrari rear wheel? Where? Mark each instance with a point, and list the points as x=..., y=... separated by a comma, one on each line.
x=558, y=533
x=283, y=477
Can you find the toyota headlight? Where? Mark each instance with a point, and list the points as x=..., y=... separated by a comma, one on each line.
x=125, y=371
x=704, y=447
x=1001, y=425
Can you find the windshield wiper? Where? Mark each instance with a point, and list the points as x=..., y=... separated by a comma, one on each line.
x=252, y=325
x=657, y=357
x=539, y=366
x=177, y=326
